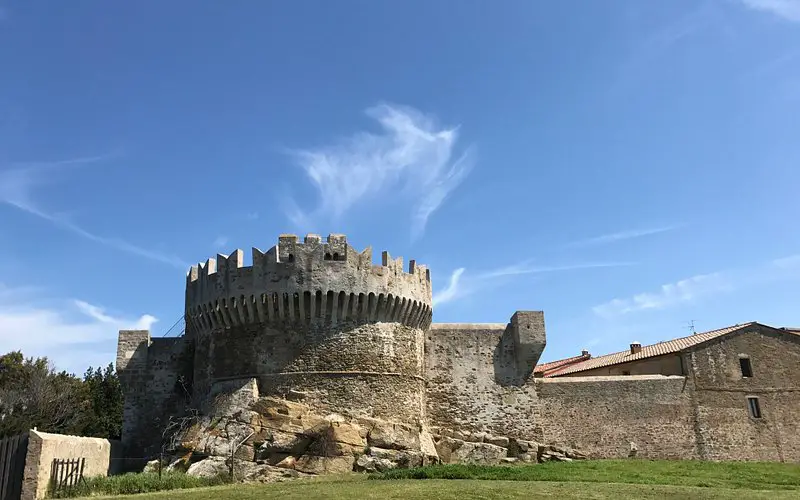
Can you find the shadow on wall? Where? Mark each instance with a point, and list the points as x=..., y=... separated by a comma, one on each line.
x=507, y=370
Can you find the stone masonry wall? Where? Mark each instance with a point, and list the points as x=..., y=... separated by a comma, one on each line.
x=477, y=381
x=602, y=416
x=371, y=370
x=154, y=374
x=725, y=429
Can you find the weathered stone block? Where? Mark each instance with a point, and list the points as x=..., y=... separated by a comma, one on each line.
x=457, y=451
x=391, y=435
x=312, y=464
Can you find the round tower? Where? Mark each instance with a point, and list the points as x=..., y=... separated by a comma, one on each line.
x=316, y=321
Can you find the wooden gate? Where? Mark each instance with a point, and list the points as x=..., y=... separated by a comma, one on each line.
x=66, y=473
x=12, y=465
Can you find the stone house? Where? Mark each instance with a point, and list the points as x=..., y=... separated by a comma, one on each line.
x=741, y=388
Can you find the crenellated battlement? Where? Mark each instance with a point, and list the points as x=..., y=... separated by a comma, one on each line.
x=309, y=282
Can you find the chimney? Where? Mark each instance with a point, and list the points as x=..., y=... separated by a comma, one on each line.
x=636, y=347
x=585, y=353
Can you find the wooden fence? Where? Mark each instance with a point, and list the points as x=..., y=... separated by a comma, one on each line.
x=12, y=465
x=66, y=473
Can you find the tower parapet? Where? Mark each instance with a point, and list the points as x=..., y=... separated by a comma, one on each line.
x=309, y=284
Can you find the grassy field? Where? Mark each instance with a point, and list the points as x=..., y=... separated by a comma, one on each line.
x=586, y=480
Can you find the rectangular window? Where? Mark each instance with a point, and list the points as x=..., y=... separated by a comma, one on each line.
x=754, y=407
x=747, y=368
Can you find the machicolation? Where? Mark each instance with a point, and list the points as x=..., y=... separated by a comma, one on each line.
x=312, y=284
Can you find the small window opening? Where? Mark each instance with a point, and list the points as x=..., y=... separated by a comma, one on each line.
x=327, y=256
x=747, y=368
x=291, y=257
x=335, y=256
x=753, y=407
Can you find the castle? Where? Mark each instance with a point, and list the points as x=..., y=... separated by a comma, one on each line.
x=320, y=323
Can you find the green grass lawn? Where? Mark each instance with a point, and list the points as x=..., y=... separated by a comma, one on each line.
x=607, y=479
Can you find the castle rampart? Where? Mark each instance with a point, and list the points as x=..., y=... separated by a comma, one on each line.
x=315, y=319
x=310, y=284
x=318, y=325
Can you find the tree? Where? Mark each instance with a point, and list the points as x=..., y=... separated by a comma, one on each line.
x=103, y=392
x=34, y=395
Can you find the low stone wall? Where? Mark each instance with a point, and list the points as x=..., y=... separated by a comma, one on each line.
x=43, y=448
x=646, y=416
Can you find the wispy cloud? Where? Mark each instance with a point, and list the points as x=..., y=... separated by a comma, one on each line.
x=412, y=159
x=787, y=9
x=471, y=283
x=73, y=334
x=620, y=236
x=528, y=267
x=17, y=186
x=697, y=287
x=451, y=291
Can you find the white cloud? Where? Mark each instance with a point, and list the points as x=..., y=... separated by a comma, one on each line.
x=528, y=267
x=220, y=242
x=704, y=285
x=452, y=290
x=412, y=160
x=17, y=187
x=620, y=236
x=73, y=334
x=787, y=9
x=459, y=288
x=685, y=290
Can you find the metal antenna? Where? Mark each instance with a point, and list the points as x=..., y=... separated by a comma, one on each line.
x=690, y=326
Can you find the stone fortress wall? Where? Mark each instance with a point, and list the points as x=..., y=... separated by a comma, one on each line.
x=319, y=323
x=313, y=318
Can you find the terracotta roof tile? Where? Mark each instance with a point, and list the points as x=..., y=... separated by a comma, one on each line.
x=552, y=365
x=649, y=351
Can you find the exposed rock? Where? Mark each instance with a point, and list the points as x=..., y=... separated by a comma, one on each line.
x=282, y=442
x=271, y=474
x=181, y=463
x=312, y=464
x=287, y=463
x=509, y=460
x=457, y=451
x=346, y=433
x=399, y=458
x=496, y=440
x=548, y=453
x=151, y=466
x=476, y=437
x=391, y=435
x=427, y=448
x=209, y=467
x=335, y=418
x=368, y=463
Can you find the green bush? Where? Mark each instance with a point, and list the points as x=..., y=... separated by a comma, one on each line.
x=128, y=484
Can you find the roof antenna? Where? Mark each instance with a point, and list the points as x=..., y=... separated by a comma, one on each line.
x=690, y=327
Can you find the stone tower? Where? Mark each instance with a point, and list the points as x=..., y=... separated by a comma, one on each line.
x=313, y=320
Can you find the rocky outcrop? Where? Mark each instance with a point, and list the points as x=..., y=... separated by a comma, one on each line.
x=274, y=439
x=454, y=446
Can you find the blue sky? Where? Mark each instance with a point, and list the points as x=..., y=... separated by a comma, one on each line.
x=625, y=166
